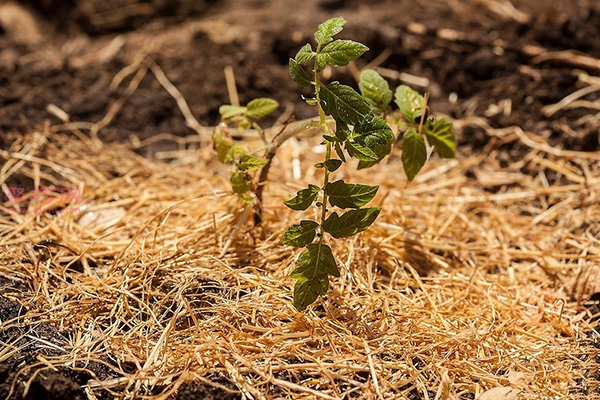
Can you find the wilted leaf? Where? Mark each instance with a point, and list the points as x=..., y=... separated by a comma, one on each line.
x=221, y=143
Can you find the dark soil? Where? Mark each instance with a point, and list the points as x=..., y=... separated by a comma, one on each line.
x=486, y=66
x=70, y=65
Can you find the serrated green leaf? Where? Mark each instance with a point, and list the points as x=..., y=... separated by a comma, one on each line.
x=304, y=198
x=380, y=151
x=371, y=131
x=233, y=151
x=341, y=130
x=361, y=152
x=312, y=274
x=229, y=111
x=343, y=103
x=351, y=222
x=249, y=162
x=328, y=29
x=241, y=182
x=330, y=139
x=339, y=151
x=221, y=143
x=332, y=164
x=298, y=74
x=414, y=153
x=260, y=108
x=349, y=195
x=409, y=102
x=375, y=90
x=440, y=135
x=305, y=54
x=301, y=234
x=340, y=52
x=374, y=134
x=306, y=292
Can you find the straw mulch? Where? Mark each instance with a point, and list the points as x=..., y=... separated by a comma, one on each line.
x=475, y=276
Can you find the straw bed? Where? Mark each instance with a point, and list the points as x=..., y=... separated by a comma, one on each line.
x=475, y=276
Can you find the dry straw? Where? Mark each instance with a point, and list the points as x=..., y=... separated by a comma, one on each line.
x=475, y=276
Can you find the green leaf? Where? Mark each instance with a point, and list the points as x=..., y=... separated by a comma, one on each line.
x=375, y=90
x=305, y=54
x=341, y=130
x=374, y=134
x=307, y=291
x=351, y=222
x=328, y=29
x=332, y=164
x=340, y=52
x=221, y=143
x=361, y=152
x=241, y=182
x=409, y=102
x=380, y=151
x=233, y=151
x=228, y=111
x=249, y=162
x=339, y=151
x=261, y=107
x=330, y=139
x=303, y=199
x=312, y=274
x=349, y=195
x=371, y=131
x=414, y=153
x=298, y=74
x=301, y=234
x=440, y=135
x=343, y=103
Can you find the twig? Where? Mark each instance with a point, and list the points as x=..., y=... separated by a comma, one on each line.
x=231, y=86
x=191, y=121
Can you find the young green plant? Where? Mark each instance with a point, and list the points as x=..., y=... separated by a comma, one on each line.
x=361, y=132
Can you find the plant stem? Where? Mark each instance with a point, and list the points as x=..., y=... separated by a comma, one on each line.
x=325, y=130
